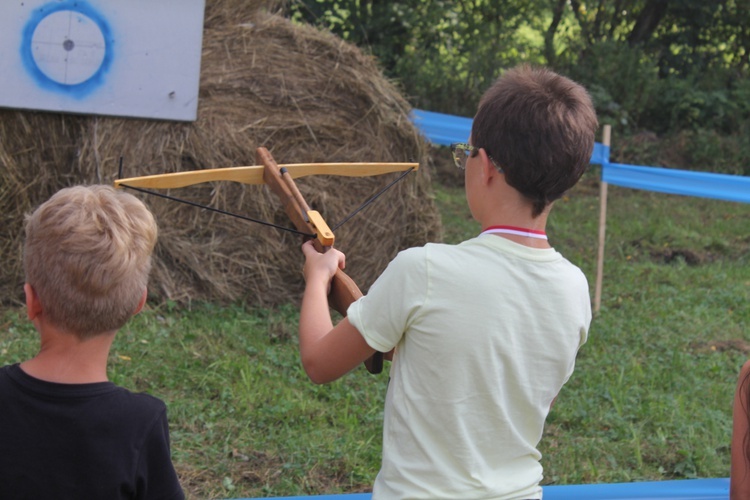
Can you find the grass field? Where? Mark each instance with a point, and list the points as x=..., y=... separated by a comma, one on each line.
x=650, y=398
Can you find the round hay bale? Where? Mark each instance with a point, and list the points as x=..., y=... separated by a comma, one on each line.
x=37, y=157
x=220, y=13
x=305, y=95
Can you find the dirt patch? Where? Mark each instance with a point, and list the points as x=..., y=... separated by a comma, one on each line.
x=671, y=255
x=738, y=345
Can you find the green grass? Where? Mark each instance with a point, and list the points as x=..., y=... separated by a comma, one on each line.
x=652, y=394
x=650, y=398
x=244, y=419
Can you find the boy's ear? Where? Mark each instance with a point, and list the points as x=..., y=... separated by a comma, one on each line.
x=141, y=302
x=488, y=168
x=33, y=304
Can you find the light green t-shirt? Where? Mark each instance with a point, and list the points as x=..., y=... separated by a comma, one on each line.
x=486, y=333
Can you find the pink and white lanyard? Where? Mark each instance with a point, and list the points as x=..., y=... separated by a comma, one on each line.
x=519, y=231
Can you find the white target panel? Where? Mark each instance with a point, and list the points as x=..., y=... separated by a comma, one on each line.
x=138, y=58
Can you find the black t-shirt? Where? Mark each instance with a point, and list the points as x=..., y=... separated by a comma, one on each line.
x=82, y=441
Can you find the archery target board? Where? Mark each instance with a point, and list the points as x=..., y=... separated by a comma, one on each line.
x=137, y=58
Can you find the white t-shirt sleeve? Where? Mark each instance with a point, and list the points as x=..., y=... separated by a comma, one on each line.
x=392, y=303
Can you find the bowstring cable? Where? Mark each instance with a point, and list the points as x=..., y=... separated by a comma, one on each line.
x=218, y=210
x=372, y=198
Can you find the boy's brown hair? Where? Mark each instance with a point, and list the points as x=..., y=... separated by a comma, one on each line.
x=539, y=127
x=87, y=256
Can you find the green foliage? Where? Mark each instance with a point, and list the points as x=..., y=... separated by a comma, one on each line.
x=697, y=103
x=630, y=94
x=443, y=53
x=720, y=153
x=464, y=51
x=623, y=82
x=702, y=37
x=384, y=27
x=664, y=67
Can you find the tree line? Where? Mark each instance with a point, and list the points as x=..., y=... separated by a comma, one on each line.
x=665, y=67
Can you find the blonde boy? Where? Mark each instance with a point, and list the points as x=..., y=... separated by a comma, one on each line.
x=65, y=430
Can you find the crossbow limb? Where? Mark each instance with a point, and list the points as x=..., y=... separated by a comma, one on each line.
x=279, y=179
x=254, y=174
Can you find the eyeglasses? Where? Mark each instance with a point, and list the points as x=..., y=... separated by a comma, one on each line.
x=461, y=152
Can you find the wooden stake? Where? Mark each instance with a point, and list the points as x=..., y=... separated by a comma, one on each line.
x=606, y=137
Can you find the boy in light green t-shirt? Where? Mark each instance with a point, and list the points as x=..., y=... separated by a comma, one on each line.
x=484, y=333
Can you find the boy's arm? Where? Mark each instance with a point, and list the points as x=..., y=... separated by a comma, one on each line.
x=327, y=352
x=739, y=484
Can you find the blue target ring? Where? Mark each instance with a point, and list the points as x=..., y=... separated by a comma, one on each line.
x=67, y=47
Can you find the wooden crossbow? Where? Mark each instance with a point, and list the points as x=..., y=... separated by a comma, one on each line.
x=280, y=179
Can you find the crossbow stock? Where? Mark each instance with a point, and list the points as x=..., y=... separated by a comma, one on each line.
x=280, y=179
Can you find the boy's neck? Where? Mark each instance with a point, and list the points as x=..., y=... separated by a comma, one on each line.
x=493, y=202
x=515, y=216
x=64, y=358
x=527, y=241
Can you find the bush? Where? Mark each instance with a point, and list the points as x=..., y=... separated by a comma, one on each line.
x=707, y=150
x=685, y=104
x=623, y=82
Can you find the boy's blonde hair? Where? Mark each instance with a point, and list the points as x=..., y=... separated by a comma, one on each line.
x=88, y=256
